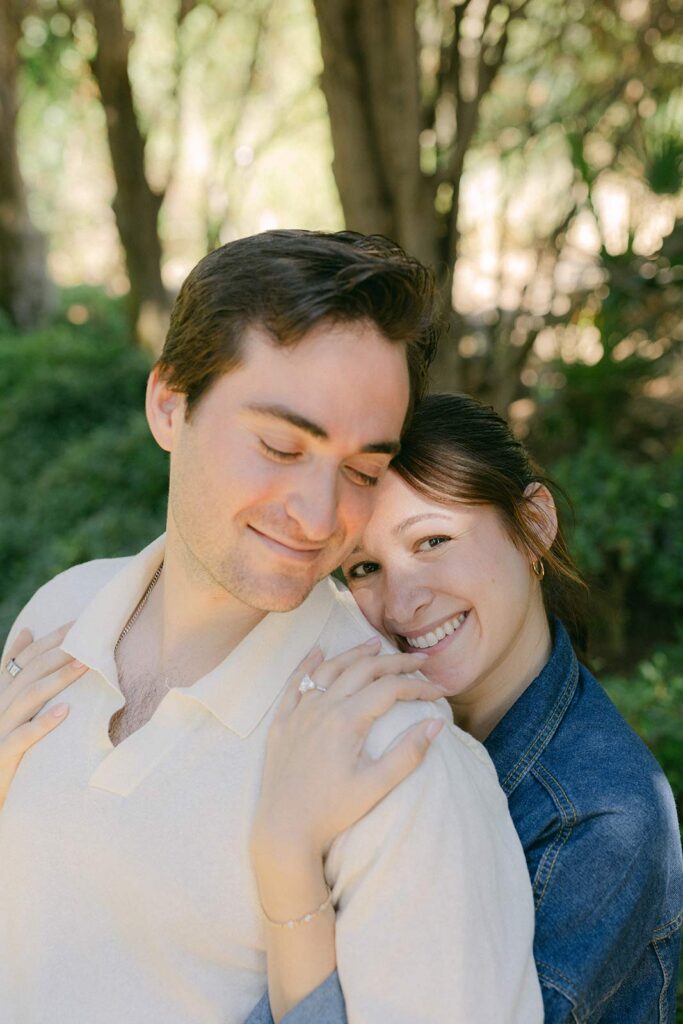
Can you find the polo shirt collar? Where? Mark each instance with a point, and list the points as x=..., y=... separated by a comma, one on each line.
x=241, y=690
x=93, y=636
x=525, y=730
x=238, y=692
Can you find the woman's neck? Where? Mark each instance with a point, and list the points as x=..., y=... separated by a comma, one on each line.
x=479, y=709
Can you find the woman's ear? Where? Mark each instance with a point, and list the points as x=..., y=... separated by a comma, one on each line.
x=165, y=410
x=541, y=516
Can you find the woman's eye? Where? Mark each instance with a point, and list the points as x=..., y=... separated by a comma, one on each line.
x=275, y=453
x=361, y=569
x=431, y=542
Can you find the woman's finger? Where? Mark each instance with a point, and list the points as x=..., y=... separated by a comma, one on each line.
x=47, y=642
x=376, y=699
x=18, y=742
x=325, y=671
x=25, y=653
x=31, y=699
x=365, y=670
x=384, y=774
x=333, y=668
x=20, y=643
x=291, y=695
x=43, y=665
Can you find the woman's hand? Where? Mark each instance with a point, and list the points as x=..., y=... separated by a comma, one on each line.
x=318, y=780
x=45, y=672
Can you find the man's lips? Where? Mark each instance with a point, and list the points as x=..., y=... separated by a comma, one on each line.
x=287, y=549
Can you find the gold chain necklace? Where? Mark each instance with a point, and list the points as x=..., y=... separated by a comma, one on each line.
x=140, y=605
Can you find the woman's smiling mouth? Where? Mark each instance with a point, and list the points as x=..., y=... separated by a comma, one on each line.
x=433, y=637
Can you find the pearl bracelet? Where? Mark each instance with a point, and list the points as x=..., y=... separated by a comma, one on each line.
x=305, y=918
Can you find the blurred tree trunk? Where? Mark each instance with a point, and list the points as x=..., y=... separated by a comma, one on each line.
x=26, y=293
x=370, y=81
x=379, y=113
x=136, y=206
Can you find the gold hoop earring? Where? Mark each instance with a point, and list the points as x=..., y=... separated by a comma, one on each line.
x=538, y=568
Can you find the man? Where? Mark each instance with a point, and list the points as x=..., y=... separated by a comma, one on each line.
x=126, y=892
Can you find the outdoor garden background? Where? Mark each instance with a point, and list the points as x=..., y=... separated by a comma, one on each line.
x=531, y=151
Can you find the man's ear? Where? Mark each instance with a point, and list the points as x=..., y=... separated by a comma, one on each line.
x=165, y=410
x=541, y=517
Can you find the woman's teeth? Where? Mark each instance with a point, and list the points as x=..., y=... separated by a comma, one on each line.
x=430, y=639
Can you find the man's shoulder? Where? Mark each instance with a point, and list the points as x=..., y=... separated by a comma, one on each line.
x=64, y=597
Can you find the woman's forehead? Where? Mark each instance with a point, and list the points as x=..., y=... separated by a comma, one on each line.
x=399, y=506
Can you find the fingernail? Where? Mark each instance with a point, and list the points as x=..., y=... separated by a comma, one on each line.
x=419, y=654
x=78, y=664
x=59, y=710
x=372, y=641
x=433, y=728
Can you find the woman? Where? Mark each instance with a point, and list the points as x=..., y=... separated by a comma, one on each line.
x=463, y=559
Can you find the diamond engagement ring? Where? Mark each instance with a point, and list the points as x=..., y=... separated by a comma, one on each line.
x=307, y=684
x=13, y=668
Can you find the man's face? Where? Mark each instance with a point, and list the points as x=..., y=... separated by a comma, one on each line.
x=272, y=476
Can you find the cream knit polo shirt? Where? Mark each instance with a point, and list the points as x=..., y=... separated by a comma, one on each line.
x=126, y=891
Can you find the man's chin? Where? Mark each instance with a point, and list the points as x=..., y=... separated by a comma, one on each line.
x=283, y=595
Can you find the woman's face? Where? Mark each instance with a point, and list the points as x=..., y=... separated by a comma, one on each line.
x=447, y=579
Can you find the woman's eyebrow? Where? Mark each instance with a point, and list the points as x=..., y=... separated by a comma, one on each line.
x=281, y=412
x=418, y=519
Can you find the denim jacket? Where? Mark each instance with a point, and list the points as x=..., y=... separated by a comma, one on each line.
x=598, y=825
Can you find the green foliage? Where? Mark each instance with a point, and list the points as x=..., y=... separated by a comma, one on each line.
x=651, y=700
x=663, y=146
x=628, y=514
x=82, y=477
x=634, y=316
x=627, y=539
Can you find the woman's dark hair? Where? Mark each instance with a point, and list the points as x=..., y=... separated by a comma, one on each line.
x=285, y=282
x=458, y=450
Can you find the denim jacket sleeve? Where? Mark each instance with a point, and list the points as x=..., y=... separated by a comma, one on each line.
x=324, y=1005
x=601, y=903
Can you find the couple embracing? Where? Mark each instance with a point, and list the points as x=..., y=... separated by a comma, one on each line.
x=235, y=790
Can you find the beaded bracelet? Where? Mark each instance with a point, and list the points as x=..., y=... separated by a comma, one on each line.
x=306, y=917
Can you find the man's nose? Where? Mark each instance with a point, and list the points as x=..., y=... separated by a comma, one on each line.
x=314, y=505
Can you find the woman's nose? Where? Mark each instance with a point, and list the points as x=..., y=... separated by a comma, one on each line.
x=405, y=598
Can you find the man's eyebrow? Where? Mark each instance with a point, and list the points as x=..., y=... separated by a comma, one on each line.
x=383, y=447
x=281, y=412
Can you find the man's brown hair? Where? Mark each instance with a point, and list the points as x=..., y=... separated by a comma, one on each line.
x=285, y=282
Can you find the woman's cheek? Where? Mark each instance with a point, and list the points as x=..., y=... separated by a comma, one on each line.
x=373, y=608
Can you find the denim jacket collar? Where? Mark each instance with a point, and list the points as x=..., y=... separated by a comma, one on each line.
x=523, y=733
